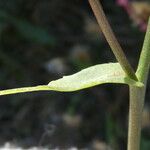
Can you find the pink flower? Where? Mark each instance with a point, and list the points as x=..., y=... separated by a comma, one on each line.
x=123, y=3
x=132, y=12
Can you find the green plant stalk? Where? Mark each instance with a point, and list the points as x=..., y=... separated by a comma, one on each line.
x=137, y=96
x=111, y=39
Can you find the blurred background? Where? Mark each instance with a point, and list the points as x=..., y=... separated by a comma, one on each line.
x=42, y=40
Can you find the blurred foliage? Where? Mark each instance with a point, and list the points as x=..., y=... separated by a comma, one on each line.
x=28, y=31
x=41, y=40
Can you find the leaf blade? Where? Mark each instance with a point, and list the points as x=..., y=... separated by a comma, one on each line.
x=92, y=76
x=89, y=77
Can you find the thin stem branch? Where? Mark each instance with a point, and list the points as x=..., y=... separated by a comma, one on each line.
x=144, y=62
x=137, y=96
x=111, y=39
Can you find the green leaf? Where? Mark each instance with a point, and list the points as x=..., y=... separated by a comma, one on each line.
x=92, y=76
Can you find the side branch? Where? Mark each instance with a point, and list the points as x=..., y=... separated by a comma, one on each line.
x=111, y=39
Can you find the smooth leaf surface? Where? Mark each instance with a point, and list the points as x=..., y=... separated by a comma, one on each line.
x=89, y=77
x=92, y=76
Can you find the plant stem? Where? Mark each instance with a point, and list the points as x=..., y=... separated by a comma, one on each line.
x=25, y=89
x=111, y=39
x=137, y=96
